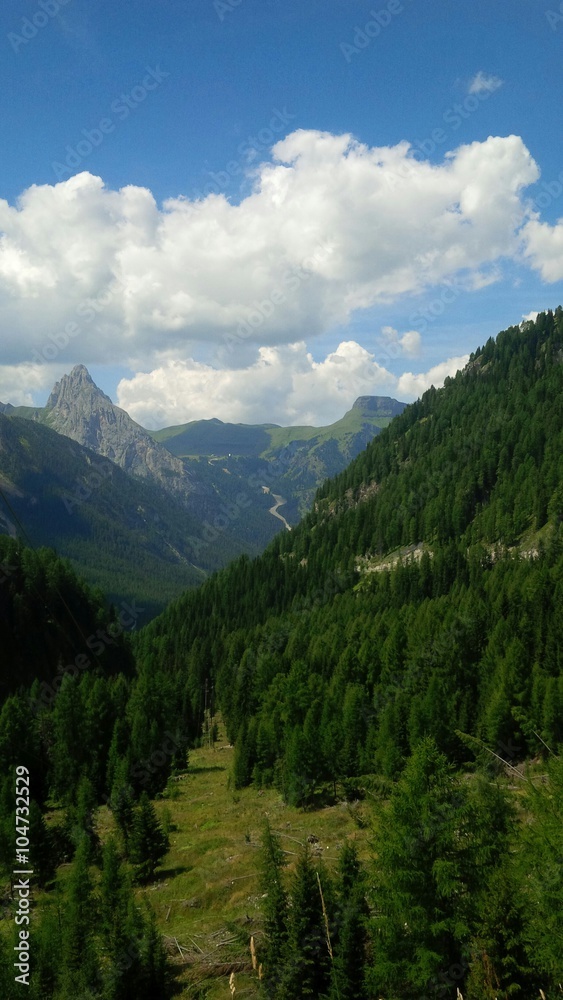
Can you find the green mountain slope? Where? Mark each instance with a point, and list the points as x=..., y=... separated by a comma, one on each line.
x=463, y=480
x=405, y=645
x=399, y=656
x=292, y=461
x=125, y=535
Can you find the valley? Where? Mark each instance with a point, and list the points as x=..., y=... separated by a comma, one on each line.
x=183, y=501
x=333, y=770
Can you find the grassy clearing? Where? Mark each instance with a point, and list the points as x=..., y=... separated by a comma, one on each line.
x=206, y=895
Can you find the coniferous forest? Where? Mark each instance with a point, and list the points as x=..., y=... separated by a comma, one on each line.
x=403, y=646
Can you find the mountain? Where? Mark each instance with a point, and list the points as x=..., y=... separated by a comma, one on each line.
x=216, y=470
x=390, y=597
x=192, y=461
x=391, y=675
x=293, y=461
x=80, y=410
x=124, y=535
x=143, y=524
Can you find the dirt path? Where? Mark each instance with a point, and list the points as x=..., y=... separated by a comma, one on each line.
x=274, y=510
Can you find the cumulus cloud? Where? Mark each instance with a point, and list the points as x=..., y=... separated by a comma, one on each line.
x=411, y=386
x=20, y=384
x=331, y=226
x=409, y=343
x=544, y=248
x=285, y=383
x=483, y=83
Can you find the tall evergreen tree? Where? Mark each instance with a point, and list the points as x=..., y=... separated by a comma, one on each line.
x=307, y=967
x=350, y=940
x=274, y=909
x=148, y=843
x=79, y=961
x=420, y=889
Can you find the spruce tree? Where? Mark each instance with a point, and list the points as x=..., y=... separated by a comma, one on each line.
x=153, y=983
x=121, y=801
x=350, y=939
x=274, y=908
x=79, y=961
x=420, y=886
x=307, y=968
x=148, y=843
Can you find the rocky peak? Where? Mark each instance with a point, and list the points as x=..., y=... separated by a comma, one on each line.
x=383, y=406
x=78, y=383
x=80, y=410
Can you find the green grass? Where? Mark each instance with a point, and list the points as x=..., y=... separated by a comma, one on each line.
x=206, y=893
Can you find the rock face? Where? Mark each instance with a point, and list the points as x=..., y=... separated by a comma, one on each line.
x=383, y=406
x=80, y=410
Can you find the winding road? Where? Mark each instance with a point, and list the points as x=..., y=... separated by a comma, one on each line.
x=274, y=510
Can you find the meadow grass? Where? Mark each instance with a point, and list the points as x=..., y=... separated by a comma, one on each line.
x=206, y=893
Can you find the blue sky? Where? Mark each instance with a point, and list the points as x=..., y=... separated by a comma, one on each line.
x=185, y=100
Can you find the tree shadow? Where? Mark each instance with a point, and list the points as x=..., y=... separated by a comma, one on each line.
x=164, y=873
x=205, y=770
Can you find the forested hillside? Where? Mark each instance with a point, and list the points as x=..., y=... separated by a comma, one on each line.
x=419, y=601
x=124, y=535
x=81, y=727
x=402, y=646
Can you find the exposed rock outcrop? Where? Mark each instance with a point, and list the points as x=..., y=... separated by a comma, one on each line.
x=80, y=410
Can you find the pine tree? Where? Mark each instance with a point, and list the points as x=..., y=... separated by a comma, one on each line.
x=274, y=908
x=420, y=888
x=153, y=983
x=80, y=816
x=121, y=800
x=541, y=874
x=148, y=843
x=79, y=962
x=348, y=970
x=307, y=967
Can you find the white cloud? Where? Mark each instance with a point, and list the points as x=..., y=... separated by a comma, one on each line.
x=544, y=248
x=330, y=227
x=411, y=386
x=285, y=386
x=20, y=384
x=530, y=317
x=409, y=343
x=484, y=83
